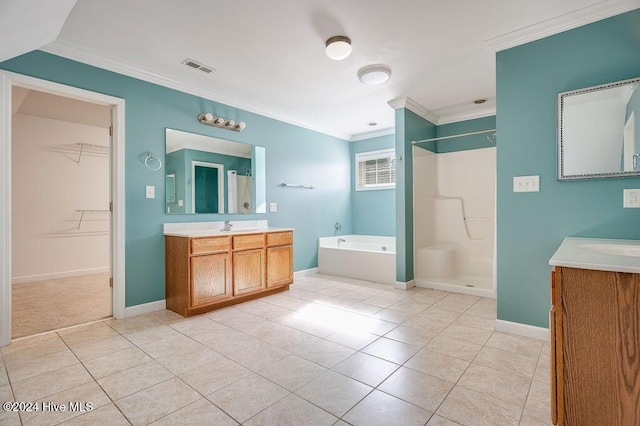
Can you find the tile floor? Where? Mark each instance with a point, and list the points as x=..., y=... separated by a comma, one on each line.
x=329, y=351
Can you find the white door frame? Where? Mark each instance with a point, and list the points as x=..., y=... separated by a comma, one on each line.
x=7, y=81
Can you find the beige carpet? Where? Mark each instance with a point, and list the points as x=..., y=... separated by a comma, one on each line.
x=49, y=305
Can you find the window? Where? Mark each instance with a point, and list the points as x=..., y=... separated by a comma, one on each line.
x=376, y=170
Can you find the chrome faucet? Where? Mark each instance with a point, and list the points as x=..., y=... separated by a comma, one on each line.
x=341, y=240
x=227, y=226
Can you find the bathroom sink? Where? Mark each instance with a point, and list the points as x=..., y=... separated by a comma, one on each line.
x=240, y=230
x=613, y=249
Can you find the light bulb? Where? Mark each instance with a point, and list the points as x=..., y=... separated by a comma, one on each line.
x=231, y=123
x=219, y=121
x=242, y=125
x=208, y=116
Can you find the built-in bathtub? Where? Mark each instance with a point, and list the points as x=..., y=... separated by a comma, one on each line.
x=363, y=257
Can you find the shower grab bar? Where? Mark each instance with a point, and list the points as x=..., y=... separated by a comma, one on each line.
x=293, y=185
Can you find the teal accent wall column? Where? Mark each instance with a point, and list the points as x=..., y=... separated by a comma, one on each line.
x=531, y=226
x=374, y=212
x=409, y=127
x=293, y=155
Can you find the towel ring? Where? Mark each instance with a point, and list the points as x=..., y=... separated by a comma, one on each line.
x=151, y=158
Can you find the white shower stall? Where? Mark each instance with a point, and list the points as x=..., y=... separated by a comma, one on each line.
x=454, y=220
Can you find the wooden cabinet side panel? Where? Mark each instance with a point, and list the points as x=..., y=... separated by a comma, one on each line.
x=588, y=337
x=627, y=347
x=210, y=279
x=176, y=265
x=279, y=266
x=555, y=349
x=248, y=271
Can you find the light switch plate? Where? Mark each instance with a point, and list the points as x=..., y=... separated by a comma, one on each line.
x=150, y=191
x=526, y=184
x=631, y=198
x=273, y=207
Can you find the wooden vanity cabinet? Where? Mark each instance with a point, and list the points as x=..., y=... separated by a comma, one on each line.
x=280, y=259
x=206, y=273
x=249, y=263
x=595, y=347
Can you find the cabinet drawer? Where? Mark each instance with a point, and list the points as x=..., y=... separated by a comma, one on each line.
x=279, y=239
x=209, y=245
x=246, y=242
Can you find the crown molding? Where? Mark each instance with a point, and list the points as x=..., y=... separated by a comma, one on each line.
x=466, y=111
x=373, y=134
x=75, y=53
x=414, y=107
x=562, y=23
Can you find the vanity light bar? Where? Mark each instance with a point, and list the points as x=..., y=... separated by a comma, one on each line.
x=211, y=120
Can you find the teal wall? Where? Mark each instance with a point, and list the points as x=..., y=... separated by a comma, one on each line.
x=468, y=142
x=531, y=226
x=293, y=155
x=409, y=127
x=374, y=212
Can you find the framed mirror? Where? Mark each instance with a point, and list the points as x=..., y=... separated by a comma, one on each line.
x=599, y=131
x=207, y=175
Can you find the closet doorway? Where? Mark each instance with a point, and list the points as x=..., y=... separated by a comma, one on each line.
x=60, y=209
x=64, y=219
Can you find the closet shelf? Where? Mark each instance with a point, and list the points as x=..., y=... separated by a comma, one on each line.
x=82, y=212
x=82, y=148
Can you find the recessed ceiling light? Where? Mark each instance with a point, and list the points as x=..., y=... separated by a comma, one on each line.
x=479, y=101
x=338, y=47
x=374, y=74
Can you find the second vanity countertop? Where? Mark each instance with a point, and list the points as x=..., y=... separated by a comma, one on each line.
x=599, y=254
x=213, y=229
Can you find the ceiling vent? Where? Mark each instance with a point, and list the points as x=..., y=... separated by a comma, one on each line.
x=198, y=66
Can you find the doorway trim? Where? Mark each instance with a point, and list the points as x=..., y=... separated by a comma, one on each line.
x=7, y=81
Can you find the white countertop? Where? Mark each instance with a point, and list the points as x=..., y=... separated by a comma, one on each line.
x=598, y=253
x=217, y=232
x=206, y=229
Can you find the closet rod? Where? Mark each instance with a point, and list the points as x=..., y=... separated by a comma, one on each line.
x=453, y=136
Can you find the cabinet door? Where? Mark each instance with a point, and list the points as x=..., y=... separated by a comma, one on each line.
x=279, y=266
x=248, y=271
x=210, y=279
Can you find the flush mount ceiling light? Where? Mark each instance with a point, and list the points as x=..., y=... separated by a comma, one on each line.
x=211, y=120
x=338, y=47
x=374, y=74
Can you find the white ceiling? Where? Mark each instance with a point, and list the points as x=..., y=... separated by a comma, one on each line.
x=269, y=55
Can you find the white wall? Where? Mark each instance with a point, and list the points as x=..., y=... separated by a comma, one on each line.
x=48, y=186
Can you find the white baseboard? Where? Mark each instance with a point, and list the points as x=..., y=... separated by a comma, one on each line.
x=524, y=330
x=405, y=286
x=58, y=275
x=145, y=308
x=305, y=272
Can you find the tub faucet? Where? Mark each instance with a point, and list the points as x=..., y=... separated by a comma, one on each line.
x=341, y=240
x=227, y=226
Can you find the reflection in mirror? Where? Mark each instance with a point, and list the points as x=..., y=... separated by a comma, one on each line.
x=211, y=175
x=599, y=132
